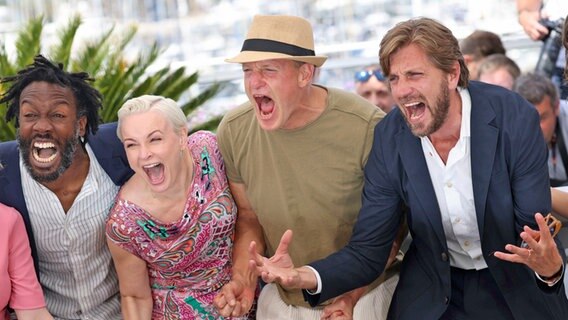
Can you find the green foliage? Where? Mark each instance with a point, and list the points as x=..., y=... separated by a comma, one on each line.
x=103, y=58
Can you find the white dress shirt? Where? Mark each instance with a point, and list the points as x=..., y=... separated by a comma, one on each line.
x=454, y=191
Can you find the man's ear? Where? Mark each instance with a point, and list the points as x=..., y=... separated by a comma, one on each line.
x=454, y=75
x=306, y=74
x=82, y=126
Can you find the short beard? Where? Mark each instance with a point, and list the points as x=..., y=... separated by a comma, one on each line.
x=439, y=113
x=67, y=155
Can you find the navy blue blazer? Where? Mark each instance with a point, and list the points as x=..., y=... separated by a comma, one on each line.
x=510, y=183
x=107, y=148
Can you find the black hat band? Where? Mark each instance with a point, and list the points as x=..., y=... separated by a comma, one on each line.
x=265, y=45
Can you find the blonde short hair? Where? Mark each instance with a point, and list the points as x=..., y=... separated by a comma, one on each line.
x=166, y=106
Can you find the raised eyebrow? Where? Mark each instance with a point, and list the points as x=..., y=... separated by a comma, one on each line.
x=154, y=132
x=128, y=140
x=147, y=136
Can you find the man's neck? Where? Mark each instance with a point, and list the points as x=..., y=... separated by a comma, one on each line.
x=70, y=182
x=311, y=105
x=445, y=138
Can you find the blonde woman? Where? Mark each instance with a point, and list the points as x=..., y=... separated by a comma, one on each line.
x=170, y=230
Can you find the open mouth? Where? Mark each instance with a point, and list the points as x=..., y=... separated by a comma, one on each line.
x=415, y=110
x=265, y=106
x=155, y=172
x=44, y=152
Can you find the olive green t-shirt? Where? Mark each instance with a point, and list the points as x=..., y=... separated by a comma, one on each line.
x=307, y=179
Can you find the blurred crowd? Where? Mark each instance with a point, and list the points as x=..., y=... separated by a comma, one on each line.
x=435, y=190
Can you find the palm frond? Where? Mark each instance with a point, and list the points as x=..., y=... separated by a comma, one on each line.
x=91, y=57
x=177, y=88
x=207, y=94
x=169, y=80
x=28, y=42
x=116, y=78
x=6, y=68
x=210, y=125
x=148, y=86
x=61, y=52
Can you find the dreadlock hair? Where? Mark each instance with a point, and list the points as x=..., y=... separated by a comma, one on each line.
x=89, y=100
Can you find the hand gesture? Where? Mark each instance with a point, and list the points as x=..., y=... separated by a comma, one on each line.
x=235, y=298
x=279, y=268
x=540, y=252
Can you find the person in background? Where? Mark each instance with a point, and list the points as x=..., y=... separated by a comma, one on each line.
x=500, y=70
x=62, y=175
x=371, y=84
x=19, y=288
x=170, y=230
x=543, y=94
x=470, y=161
x=294, y=155
x=531, y=14
x=478, y=45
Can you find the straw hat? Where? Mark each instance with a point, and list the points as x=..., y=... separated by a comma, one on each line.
x=279, y=37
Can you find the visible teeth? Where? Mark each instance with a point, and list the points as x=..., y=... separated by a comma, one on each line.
x=150, y=165
x=36, y=156
x=412, y=104
x=44, y=145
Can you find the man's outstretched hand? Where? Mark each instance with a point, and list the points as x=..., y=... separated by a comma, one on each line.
x=280, y=267
x=540, y=252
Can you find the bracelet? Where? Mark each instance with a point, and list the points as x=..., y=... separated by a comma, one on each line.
x=553, y=279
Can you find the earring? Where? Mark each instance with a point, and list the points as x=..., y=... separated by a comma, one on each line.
x=82, y=138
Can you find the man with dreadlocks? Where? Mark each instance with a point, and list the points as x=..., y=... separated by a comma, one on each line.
x=62, y=178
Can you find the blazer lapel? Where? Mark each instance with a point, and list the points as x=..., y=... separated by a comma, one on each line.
x=484, y=138
x=110, y=153
x=412, y=158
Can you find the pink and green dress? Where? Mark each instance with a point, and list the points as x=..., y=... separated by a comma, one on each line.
x=188, y=260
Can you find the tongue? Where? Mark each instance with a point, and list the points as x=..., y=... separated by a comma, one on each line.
x=156, y=174
x=45, y=152
x=266, y=105
x=417, y=111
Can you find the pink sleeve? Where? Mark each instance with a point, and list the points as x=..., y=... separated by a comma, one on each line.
x=26, y=290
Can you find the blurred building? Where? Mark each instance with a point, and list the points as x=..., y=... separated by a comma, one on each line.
x=200, y=34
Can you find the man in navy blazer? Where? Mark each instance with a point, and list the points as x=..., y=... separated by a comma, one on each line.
x=470, y=163
x=62, y=178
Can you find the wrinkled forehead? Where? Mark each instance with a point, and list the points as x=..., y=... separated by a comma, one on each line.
x=45, y=91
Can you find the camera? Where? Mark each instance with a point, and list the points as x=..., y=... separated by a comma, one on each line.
x=552, y=43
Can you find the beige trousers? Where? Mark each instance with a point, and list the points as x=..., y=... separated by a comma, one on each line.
x=372, y=306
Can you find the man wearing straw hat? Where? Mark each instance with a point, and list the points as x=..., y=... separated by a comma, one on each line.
x=294, y=155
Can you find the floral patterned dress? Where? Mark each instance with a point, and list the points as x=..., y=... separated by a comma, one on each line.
x=188, y=260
